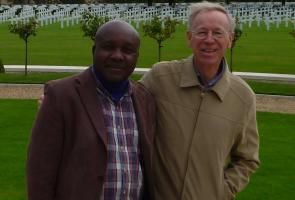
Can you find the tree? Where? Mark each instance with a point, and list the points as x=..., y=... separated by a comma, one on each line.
x=238, y=33
x=160, y=30
x=18, y=2
x=25, y=30
x=90, y=23
x=2, y=69
x=150, y=2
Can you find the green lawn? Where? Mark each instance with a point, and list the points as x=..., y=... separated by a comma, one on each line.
x=31, y=77
x=261, y=51
x=274, y=179
x=15, y=125
x=258, y=50
x=272, y=88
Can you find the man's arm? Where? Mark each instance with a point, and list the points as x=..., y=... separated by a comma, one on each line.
x=244, y=155
x=45, y=148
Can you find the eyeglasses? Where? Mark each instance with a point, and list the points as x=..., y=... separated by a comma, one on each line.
x=202, y=34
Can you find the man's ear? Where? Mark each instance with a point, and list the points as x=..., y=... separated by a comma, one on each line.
x=231, y=38
x=189, y=36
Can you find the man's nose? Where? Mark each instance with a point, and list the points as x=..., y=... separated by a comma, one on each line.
x=117, y=54
x=209, y=37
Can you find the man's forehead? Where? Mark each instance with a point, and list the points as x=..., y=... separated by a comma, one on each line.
x=117, y=35
x=116, y=27
x=212, y=18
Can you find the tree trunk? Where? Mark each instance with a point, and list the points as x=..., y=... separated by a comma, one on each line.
x=231, y=59
x=159, y=51
x=26, y=58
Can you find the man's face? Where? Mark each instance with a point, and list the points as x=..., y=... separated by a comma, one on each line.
x=209, y=38
x=115, y=54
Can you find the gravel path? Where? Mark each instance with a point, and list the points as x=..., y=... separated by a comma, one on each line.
x=265, y=103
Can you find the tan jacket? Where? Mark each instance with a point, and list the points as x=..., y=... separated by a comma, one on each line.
x=206, y=143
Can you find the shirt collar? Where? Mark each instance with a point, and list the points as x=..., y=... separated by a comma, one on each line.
x=188, y=78
x=209, y=84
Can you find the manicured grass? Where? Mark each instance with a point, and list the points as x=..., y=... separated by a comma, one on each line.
x=272, y=181
x=51, y=46
x=276, y=175
x=257, y=50
x=272, y=88
x=15, y=124
x=31, y=77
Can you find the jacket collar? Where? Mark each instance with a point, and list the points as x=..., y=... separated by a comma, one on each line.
x=86, y=88
x=189, y=79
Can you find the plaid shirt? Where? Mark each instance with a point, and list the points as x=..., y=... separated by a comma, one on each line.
x=123, y=179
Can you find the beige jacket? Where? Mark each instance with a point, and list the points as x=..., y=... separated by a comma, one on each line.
x=206, y=144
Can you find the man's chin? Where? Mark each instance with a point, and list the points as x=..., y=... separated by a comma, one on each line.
x=115, y=79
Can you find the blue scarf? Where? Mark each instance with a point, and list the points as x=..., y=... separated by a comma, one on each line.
x=116, y=89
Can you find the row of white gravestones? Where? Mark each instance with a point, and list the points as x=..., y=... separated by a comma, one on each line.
x=268, y=22
x=70, y=14
x=266, y=12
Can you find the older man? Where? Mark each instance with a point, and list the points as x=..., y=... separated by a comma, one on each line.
x=206, y=146
x=93, y=135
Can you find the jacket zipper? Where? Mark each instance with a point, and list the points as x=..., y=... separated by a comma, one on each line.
x=202, y=95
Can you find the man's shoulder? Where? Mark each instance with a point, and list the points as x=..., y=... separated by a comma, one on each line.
x=166, y=72
x=68, y=82
x=139, y=89
x=62, y=81
x=167, y=67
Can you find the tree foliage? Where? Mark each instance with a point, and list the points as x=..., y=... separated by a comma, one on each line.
x=160, y=30
x=24, y=30
x=90, y=23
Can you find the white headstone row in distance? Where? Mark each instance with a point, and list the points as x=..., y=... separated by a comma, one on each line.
x=70, y=14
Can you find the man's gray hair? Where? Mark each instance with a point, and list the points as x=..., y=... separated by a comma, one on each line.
x=196, y=8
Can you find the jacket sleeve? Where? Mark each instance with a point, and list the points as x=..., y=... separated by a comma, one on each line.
x=45, y=148
x=244, y=155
